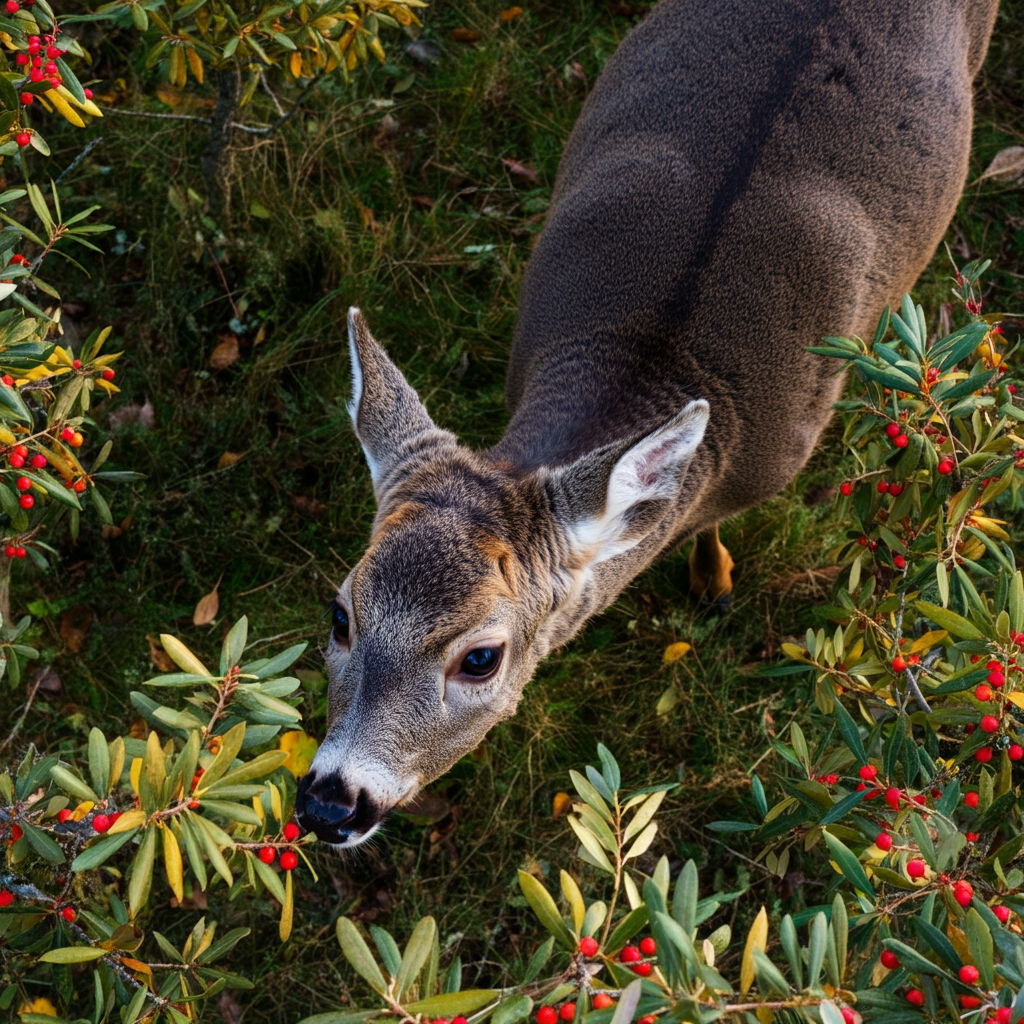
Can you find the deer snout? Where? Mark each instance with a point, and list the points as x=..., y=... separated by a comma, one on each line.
x=337, y=814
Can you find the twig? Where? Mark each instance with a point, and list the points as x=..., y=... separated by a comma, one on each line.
x=78, y=159
x=17, y=725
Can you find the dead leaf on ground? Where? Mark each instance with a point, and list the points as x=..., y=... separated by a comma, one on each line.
x=518, y=170
x=229, y=459
x=1007, y=165
x=423, y=201
x=208, y=606
x=74, y=625
x=160, y=658
x=465, y=35
x=230, y=1011
x=510, y=14
x=366, y=215
x=309, y=507
x=675, y=651
x=197, y=901
x=112, y=532
x=139, y=729
x=226, y=353
x=46, y=680
x=561, y=804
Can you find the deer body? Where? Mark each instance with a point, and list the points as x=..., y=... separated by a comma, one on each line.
x=745, y=177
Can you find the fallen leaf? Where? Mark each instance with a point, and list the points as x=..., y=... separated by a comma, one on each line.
x=561, y=805
x=74, y=625
x=208, y=606
x=309, y=507
x=229, y=459
x=161, y=660
x=226, y=353
x=367, y=217
x=112, y=532
x=40, y=1005
x=674, y=652
x=301, y=749
x=1007, y=165
x=423, y=201
x=196, y=902
x=465, y=35
x=518, y=170
x=45, y=678
x=510, y=14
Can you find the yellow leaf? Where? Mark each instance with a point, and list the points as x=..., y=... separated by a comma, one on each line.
x=510, y=14
x=794, y=651
x=560, y=805
x=764, y=1015
x=295, y=64
x=39, y=1005
x=674, y=652
x=301, y=749
x=757, y=938
x=182, y=656
x=82, y=810
x=195, y=64
x=64, y=108
x=1016, y=697
x=285, y=927
x=129, y=819
x=927, y=641
x=172, y=862
x=135, y=773
x=667, y=701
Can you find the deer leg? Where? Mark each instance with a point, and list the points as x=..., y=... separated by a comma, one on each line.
x=710, y=567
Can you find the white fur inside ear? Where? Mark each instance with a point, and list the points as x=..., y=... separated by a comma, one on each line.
x=650, y=471
x=357, y=390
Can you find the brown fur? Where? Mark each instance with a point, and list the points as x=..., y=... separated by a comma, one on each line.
x=746, y=177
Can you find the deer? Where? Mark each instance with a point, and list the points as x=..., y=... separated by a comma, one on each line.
x=745, y=177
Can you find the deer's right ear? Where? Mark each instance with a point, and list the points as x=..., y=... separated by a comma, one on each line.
x=386, y=413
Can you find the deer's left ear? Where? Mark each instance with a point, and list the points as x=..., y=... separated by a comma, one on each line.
x=603, y=495
x=386, y=412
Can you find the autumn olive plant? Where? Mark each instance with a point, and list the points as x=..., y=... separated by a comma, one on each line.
x=200, y=801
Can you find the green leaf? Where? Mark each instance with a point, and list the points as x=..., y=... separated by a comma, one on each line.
x=590, y=794
x=849, y=866
x=684, y=899
x=142, y=872
x=509, y=1011
x=629, y=926
x=358, y=954
x=99, y=850
x=979, y=942
x=99, y=762
x=850, y=733
x=72, y=784
x=956, y=625
x=234, y=644
x=626, y=1007
x=546, y=910
x=454, y=1003
x=422, y=940
x=43, y=844
x=816, y=948
x=72, y=955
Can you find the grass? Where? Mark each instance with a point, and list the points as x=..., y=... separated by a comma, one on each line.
x=354, y=202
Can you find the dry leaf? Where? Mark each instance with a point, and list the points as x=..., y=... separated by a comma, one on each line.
x=309, y=507
x=196, y=902
x=111, y=532
x=423, y=201
x=561, y=805
x=367, y=217
x=229, y=459
x=510, y=14
x=46, y=679
x=518, y=170
x=226, y=353
x=465, y=35
x=160, y=658
x=1007, y=165
x=674, y=652
x=139, y=729
x=74, y=625
x=206, y=610
x=301, y=749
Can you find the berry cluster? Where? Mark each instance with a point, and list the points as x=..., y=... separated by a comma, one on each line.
x=289, y=858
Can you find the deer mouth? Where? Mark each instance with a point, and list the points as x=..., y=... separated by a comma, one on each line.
x=327, y=807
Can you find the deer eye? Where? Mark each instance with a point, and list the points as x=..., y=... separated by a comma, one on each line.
x=340, y=624
x=481, y=661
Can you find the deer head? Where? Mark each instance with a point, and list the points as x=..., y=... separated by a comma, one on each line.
x=474, y=572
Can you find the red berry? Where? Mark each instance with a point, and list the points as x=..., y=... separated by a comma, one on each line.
x=1015, y=752
x=996, y=677
x=984, y=755
x=80, y=486
x=7, y=379
x=588, y=945
x=114, y=816
x=846, y=489
x=88, y=93
x=1004, y=1015
x=972, y=837
x=291, y=831
x=76, y=364
x=20, y=449
x=649, y=1019
x=267, y=854
x=983, y=692
x=602, y=1001
x=459, y=1020
x=66, y=434
x=849, y=1017
x=970, y=1002
x=63, y=815
x=6, y=897
x=289, y=860
x=12, y=6
x=945, y=467
x=920, y=799
x=52, y=52
x=108, y=374
x=629, y=955
x=971, y=799
x=39, y=461
x=193, y=804
x=989, y=723
x=915, y=868
x=895, y=490
x=890, y=960
x=643, y=969
x=26, y=98
x=963, y=897
x=868, y=772
x=68, y=913
x=23, y=483
x=35, y=75
x=10, y=551
x=883, y=841
x=76, y=440
x=969, y=974
x=892, y=430
x=892, y=798
x=901, y=441
x=101, y=823
x=648, y=946
x=862, y=541
x=567, y=1011
x=23, y=139
x=899, y=664
x=26, y=501
x=916, y=997
x=16, y=832
x=547, y=1015
x=21, y=59
x=1003, y=913
x=882, y=487
x=16, y=460
x=899, y=561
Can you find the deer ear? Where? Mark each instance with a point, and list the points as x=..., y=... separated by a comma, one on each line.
x=608, y=494
x=386, y=412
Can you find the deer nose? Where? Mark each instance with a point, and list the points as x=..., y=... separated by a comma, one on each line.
x=324, y=805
